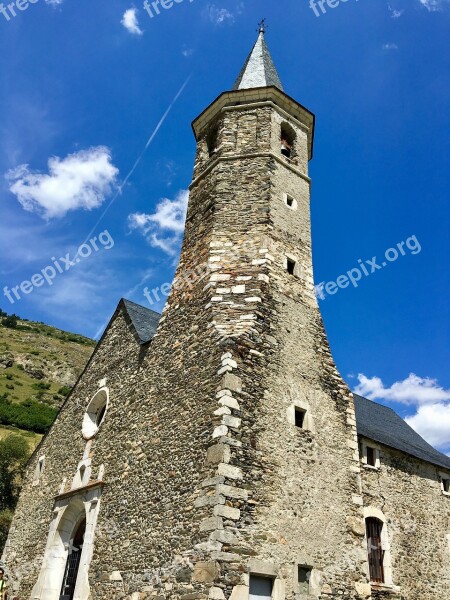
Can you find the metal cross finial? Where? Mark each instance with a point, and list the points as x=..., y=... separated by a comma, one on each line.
x=262, y=27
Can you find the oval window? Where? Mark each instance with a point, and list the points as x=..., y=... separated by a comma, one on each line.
x=95, y=414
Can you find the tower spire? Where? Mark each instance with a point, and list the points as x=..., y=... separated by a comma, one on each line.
x=259, y=69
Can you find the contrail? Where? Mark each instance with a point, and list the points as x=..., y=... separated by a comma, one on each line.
x=150, y=140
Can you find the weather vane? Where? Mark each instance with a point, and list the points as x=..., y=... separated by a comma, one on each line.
x=262, y=26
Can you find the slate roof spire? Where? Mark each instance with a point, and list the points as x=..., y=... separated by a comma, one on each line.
x=258, y=70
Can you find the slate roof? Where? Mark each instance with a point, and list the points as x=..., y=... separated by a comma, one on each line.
x=373, y=421
x=258, y=70
x=381, y=424
x=144, y=320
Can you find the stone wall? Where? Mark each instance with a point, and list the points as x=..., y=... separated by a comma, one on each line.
x=205, y=478
x=408, y=493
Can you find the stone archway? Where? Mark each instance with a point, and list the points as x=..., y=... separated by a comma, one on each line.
x=59, y=548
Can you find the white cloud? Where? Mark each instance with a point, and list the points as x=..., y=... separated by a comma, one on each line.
x=130, y=21
x=81, y=180
x=54, y=2
x=163, y=229
x=431, y=5
x=431, y=403
x=219, y=16
x=432, y=422
x=413, y=390
x=395, y=13
x=185, y=51
x=390, y=46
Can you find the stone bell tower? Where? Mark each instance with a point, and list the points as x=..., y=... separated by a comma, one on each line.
x=222, y=460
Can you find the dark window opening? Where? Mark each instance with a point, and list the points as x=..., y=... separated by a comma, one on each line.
x=304, y=577
x=371, y=456
x=290, y=266
x=287, y=139
x=290, y=201
x=374, y=528
x=260, y=587
x=211, y=141
x=100, y=415
x=446, y=485
x=73, y=563
x=300, y=417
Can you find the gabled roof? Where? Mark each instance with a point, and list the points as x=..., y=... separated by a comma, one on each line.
x=381, y=424
x=144, y=320
x=259, y=69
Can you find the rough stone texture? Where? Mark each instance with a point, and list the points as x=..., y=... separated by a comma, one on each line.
x=408, y=492
x=195, y=495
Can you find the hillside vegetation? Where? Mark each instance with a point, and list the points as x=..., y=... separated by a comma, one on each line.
x=38, y=367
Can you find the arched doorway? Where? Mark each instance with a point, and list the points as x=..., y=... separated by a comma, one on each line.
x=73, y=563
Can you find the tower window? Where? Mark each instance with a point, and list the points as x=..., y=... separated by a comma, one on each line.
x=290, y=266
x=304, y=577
x=211, y=141
x=260, y=587
x=300, y=417
x=287, y=139
x=290, y=201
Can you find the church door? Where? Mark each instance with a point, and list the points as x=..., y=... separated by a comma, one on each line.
x=73, y=563
x=376, y=555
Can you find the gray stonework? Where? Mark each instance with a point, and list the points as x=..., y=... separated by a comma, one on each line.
x=201, y=476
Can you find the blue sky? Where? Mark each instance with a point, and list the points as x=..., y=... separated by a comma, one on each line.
x=85, y=85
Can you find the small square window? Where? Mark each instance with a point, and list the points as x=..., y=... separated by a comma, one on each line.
x=445, y=485
x=304, y=578
x=370, y=456
x=290, y=266
x=300, y=417
x=260, y=587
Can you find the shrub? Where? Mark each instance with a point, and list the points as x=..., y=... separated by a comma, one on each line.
x=30, y=414
x=10, y=321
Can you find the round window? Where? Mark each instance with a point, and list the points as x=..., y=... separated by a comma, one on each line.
x=95, y=414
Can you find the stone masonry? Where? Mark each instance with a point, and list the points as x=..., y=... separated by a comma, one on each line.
x=198, y=476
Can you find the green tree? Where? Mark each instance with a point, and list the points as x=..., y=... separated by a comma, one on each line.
x=13, y=457
x=5, y=523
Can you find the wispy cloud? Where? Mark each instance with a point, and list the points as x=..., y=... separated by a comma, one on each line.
x=164, y=228
x=395, y=13
x=81, y=180
x=429, y=399
x=54, y=2
x=432, y=5
x=130, y=21
x=220, y=16
x=390, y=46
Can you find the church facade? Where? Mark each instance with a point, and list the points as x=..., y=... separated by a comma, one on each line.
x=214, y=452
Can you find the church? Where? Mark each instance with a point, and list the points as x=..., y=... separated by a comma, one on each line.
x=214, y=452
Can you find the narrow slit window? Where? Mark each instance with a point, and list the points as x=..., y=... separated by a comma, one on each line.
x=290, y=201
x=304, y=578
x=300, y=418
x=445, y=485
x=374, y=529
x=371, y=457
x=290, y=266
